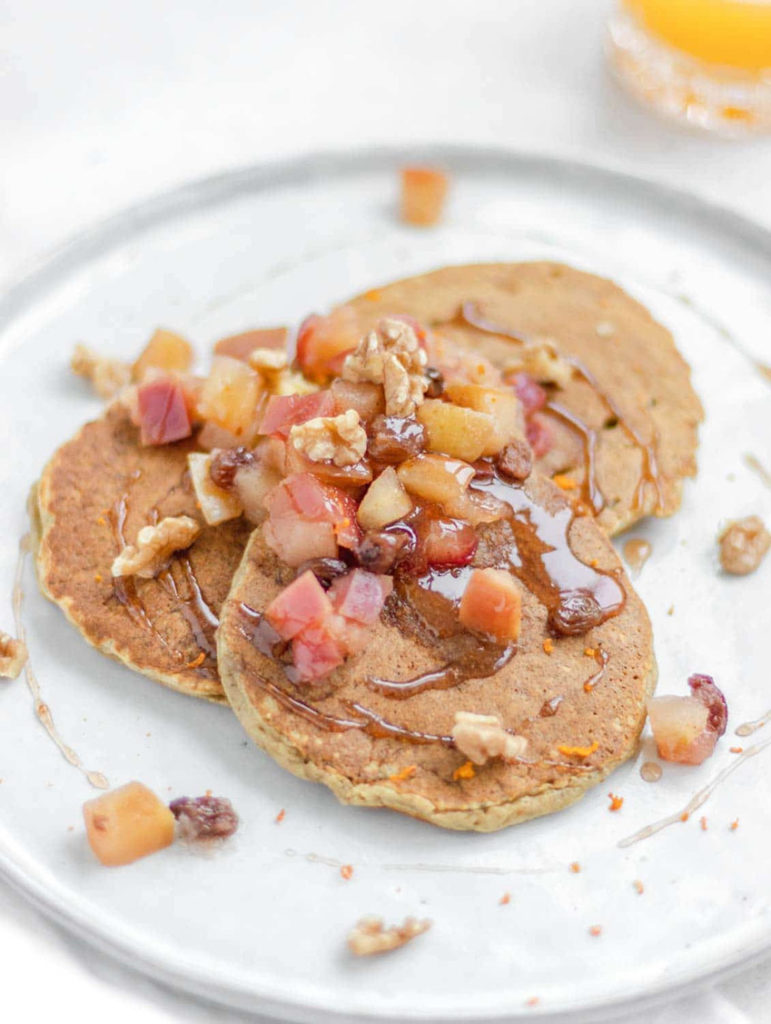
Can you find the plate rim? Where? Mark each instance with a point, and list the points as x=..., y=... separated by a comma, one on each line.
x=18, y=295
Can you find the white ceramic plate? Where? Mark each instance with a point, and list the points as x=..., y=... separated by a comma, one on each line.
x=262, y=923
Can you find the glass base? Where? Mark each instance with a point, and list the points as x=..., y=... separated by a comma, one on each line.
x=715, y=98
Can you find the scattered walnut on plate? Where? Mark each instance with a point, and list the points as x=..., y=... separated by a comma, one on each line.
x=369, y=936
x=743, y=545
x=13, y=655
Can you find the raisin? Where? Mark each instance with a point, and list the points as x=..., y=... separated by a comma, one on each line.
x=577, y=612
x=704, y=689
x=515, y=461
x=226, y=463
x=435, y=378
x=204, y=817
x=326, y=570
x=394, y=438
x=380, y=552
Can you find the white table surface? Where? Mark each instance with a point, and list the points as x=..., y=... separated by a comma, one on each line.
x=103, y=104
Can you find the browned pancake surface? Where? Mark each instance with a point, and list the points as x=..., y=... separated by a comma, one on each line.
x=631, y=357
x=416, y=777
x=102, y=484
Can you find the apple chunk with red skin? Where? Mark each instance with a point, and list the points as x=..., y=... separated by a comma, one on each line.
x=162, y=411
x=492, y=604
x=127, y=823
x=686, y=729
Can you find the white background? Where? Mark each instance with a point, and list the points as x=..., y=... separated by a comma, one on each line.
x=103, y=104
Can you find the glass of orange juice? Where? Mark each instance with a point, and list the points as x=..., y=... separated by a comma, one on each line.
x=704, y=62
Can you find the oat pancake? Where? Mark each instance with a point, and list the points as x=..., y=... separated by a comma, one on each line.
x=380, y=748
x=100, y=487
x=625, y=424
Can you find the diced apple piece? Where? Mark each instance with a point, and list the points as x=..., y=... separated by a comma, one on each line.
x=317, y=651
x=477, y=507
x=356, y=476
x=360, y=595
x=241, y=346
x=217, y=505
x=453, y=430
x=538, y=434
x=308, y=519
x=283, y=412
x=385, y=501
x=446, y=543
x=252, y=484
x=530, y=393
x=502, y=405
x=681, y=729
x=127, y=823
x=211, y=436
x=367, y=399
x=324, y=341
x=303, y=603
x=435, y=478
x=492, y=603
x=162, y=412
x=165, y=351
x=230, y=397
x=423, y=194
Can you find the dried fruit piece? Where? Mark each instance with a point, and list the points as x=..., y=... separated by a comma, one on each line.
x=743, y=545
x=225, y=464
x=217, y=505
x=165, y=351
x=369, y=936
x=385, y=501
x=481, y=738
x=703, y=688
x=515, y=462
x=381, y=551
x=492, y=604
x=424, y=190
x=577, y=612
x=204, y=817
x=127, y=823
x=395, y=439
x=13, y=655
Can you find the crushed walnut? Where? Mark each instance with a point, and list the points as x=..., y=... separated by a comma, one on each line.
x=154, y=547
x=369, y=936
x=107, y=376
x=268, y=360
x=743, y=545
x=482, y=737
x=541, y=360
x=13, y=655
x=338, y=439
x=391, y=355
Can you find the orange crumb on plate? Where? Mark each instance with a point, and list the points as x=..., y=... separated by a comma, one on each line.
x=575, y=867
x=424, y=190
x=684, y=816
x=595, y=930
x=703, y=822
x=734, y=825
x=280, y=816
x=616, y=802
x=736, y=750
x=638, y=886
x=506, y=898
x=346, y=871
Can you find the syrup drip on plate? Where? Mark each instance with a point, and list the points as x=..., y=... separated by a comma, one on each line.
x=748, y=728
x=470, y=314
x=637, y=552
x=42, y=710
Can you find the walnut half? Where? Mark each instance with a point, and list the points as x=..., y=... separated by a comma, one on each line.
x=369, y=936
x=154, y=546
x=743, y=545
x=338, y=439
x=482, y=737
x=391, y=355
x=107, y=376
x=13, y=655
x=542, y=361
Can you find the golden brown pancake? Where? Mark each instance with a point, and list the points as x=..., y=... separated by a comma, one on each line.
x=101, y=487
x=376, y=749
x=630, y=396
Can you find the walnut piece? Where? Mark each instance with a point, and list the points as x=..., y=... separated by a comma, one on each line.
x=268, y=360
x=338, y=439
x=743, y=545
x=13, y=655
x=369, y=936
x=480, y=738
x=107, y=376
x=542, y=361
x=391, y=355
x=154, y=546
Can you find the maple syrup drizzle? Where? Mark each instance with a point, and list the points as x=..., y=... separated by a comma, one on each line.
x=602, y=658
x=484, y=660
x=469, y=314
x=42, y=710
x=589, y=437
x=124, y=587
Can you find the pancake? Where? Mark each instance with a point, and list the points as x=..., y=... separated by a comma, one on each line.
x=383, y=749
x=624, y=427
x=99, y=488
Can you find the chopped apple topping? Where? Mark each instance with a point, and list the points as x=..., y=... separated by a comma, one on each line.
x=308, y=519
x=366, y=398
x=324, y=341
x=743, y=545
x=436, y=478
x=13, y=656
x=267, y=361
x=241, y=346
x=462, y=433
x=154, y=547
x=165, y=351
x=679, y=727
x=127, y=823
x=391, y=355
x=424, y=190
x=481, y=738
x=501, y=405
x=230, y=397
x=492, y=604
x=282, y=412
x=217, y=504
x=385, y=501
x=338, y=439
x=163, y=414
x=107, y=376
x=370, y=936
x=541, y=361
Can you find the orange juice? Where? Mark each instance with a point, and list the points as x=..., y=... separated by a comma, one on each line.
x=736, y=33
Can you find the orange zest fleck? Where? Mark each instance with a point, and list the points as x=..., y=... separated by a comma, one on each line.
x=101, y=521
x=684, y=816
x=575, y=867
x=280, y=816
x=638, y=886
x=404, y=774
x=589, y=652
x=736, y=750
x=346, y=871
x=506, y=898
x=594, y=563
x=465, y=771
x=372, y=295
x=548, y=645
x=595, y=930
x=589, y=686
x=565, y=482
x=578, y=751
x=97, y=577
x=532, y=1001
x=703, y=823
x=198, y=660
x=734, y=825
x=616, y=802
